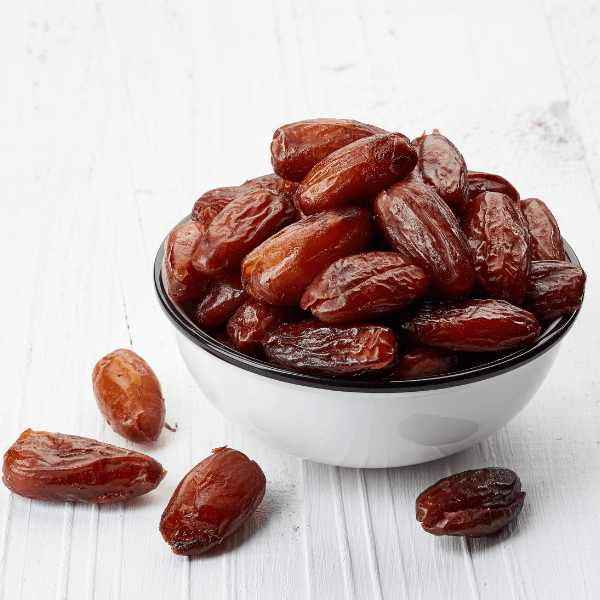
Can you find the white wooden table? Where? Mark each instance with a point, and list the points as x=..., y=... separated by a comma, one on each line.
x=116, y=115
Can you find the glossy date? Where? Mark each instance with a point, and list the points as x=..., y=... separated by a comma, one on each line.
x=129, y=396
x=472, y=503
x=223, y=297
x=546, y=241
x=68, y=468
x=335, y=350
x=213, y=500
x=363, y=286
x=487, y=182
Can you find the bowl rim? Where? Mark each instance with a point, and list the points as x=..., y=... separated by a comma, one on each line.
x=549, y=338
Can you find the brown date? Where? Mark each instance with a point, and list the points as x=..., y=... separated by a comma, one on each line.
x=472, y=503
x=415, y=221
x=500, y=244
x=129, y=396
x=443, y=167
x=211, y=203
x=424, y=362
x=470, y=326
x=546, y=241
x=69, y=468
x=223, y=297
x=253, y=320
x=556, y=288
x=242, y=225
x=281, y=268
x=213, y=500
x=487, y=182
x=297, y=147
x=356, y=172
x=275, y=184
x=183, y=281
x=363, y=286
x=335, y=350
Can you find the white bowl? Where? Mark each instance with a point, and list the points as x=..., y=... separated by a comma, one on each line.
x=355, y=423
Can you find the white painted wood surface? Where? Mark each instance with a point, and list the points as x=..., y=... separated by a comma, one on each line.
x=115, y=116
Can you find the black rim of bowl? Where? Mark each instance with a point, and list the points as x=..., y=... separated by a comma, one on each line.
x=549, y=338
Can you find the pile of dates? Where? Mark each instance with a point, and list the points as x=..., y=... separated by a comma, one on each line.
x=365, y=253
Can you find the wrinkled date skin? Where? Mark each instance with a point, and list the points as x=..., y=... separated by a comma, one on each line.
x=334, y=350
x=470, y=326
x=443, y=167
x=356, y=172
x=223, y=297
x=472, y=503
x=500, y=244
x=213, y=500
x=415, y=221
x=211, y=203
x=363, y=286
x=129, y=396
x=424, y=362
x=183, y=281
x=556, y=289
x=546, y=241
x=254, y=319
x=487, y=182
x=241, y=226
x=281, y=268
x=274, y=183
x=297, y=147
x=69, y=468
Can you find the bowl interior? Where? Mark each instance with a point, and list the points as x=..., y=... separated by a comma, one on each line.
x=550, y=336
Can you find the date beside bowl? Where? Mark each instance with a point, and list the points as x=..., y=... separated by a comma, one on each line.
x=363, y=423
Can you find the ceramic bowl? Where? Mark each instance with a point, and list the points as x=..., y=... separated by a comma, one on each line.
x=355, y=423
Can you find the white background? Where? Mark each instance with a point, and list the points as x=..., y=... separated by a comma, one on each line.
x=115, y=116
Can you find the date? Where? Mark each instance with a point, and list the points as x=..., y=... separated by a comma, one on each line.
x=500, y=245
x=211, y=203
x=487, y=182
x=546, y=241
x=129, y=396
x=416, y=222
x=281, y=268
x=242, y=225
x=363, y=286
x=356, y=172
x=297, y=147
x=223, y=297
x=556, y=288
x=274, y=183
x=470, y=326
x=183, y=282
x=68, y=468
x=443, y=167
x=472, y=503
x=335, y=350
x=212, y=501
x=424, y=362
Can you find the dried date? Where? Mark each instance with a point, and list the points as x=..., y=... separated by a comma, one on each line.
x=211, y=203
x=416, y=222
x=546, y=241
x=223, y=297
x=424, y=362
x=242, y=225
x=334, y=350
x=472, y=503
x=129, y=396
x=281, y=268
x=500, y=245
x=356, y=172
x=470, y=326
x=556, y=288
x=274, y=183
x=183, y=281
x=69, y=468
x=212, y=501
x=487, y=182
x=297, y=147
x=443, y=167
x=363, y=286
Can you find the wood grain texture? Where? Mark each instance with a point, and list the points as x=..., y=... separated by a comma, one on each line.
x=116, y=117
